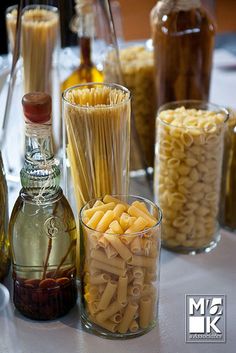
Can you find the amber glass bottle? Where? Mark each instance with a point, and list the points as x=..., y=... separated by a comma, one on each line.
x=42, y=227
x=183, y=39
x=87, y=71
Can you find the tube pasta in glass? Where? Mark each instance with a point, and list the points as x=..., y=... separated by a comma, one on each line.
x=128, y=317
x=122, y=272
x=122, y=289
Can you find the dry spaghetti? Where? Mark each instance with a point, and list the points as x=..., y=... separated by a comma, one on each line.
x=97, y=119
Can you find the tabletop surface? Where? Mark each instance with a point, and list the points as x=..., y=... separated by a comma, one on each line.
x=204, y=274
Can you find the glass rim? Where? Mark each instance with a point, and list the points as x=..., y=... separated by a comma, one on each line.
x=159, y=221
x=91, y=84
x=9, y=9
x=32, y=6
x=178, y=104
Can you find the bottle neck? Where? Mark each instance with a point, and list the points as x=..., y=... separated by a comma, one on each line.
x=85, y=36
x=40, y=175
x=38, y=143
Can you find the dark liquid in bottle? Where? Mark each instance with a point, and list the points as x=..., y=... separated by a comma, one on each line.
x=183, y=44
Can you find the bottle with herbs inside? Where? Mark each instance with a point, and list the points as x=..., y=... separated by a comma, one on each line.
x=84, y=26
x=4, y=243
x=42, y=226
x=183, y=39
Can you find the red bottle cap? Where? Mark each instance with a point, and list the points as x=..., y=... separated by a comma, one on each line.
x=37, y=107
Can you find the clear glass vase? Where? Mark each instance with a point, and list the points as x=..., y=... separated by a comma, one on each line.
x=34, y=42
x=120, y=274
x=188, y=171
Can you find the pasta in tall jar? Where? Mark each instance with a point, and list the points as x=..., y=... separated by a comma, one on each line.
x=188, y=168
x=120, y=250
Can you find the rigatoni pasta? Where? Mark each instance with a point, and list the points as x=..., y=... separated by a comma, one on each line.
x=118, y=297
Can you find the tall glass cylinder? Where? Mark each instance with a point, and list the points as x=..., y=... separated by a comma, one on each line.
x=188, y=168
x=35, y=44
x=96, y=141
x=120, y=265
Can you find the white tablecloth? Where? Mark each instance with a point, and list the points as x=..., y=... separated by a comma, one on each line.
x=213, y=273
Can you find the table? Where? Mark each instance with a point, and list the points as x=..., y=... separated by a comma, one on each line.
x=211, y=274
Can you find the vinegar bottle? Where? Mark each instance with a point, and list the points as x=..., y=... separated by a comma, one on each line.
x=87, y=71
x=42, y=226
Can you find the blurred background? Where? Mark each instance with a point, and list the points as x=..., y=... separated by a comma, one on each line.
x=133, y=12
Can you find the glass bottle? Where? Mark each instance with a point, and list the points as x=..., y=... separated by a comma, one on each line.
x=4, y=244
x=228, y=194
x=183, y=40
x=42, y=227
x=87, y=71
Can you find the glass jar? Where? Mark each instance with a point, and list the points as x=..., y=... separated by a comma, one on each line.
x=183, y=39
x=4, y=243
x=137, y=64
x=96, y=141
x=228, y=194
x=120, y=275
x=188, y=168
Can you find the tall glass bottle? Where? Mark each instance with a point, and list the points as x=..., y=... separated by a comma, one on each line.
x=4, y=244
x=42, y=227
x=87, y=70
x=183, y=40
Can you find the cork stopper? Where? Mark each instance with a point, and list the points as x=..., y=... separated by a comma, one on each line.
x=37, y=107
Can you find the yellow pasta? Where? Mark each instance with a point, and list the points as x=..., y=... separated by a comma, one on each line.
x=127, y=318
x=119, y=273
x=119, y=246
x=112, y=309
x=135, y=245
x=109, y=199
x=143, y=261
x=95, y=219
x=104, y=208
x=118, y=210
x=134, y=211
x=145, y=311
x=98, y=203
x=122, y=289
x=107, y=295
x=133, y=327
x=105, y=221
x=138, y=225
x=99, y=279
x=97, y=265
x=116, y=228
x=110, y=251
x=99, y=255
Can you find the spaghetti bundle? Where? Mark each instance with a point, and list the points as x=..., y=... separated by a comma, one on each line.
x=40, y=28
x=97, y=118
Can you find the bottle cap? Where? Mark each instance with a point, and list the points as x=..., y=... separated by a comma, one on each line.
x=37, y=107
